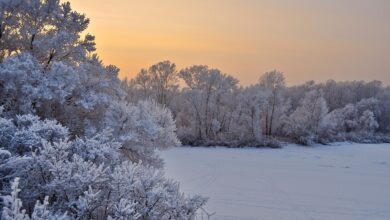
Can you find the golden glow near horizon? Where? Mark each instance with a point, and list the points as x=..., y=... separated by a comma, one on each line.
x=306, y=39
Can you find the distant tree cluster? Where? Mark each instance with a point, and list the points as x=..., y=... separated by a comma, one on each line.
x=211, y=108
x=71, y=145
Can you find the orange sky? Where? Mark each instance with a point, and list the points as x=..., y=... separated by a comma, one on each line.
x=306, y=39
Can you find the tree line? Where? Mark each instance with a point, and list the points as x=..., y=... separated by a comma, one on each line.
x=211, y=107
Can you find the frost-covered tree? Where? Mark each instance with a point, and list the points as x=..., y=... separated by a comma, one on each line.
x=159, y=82
x=86, y=178
x=13, y=207
x=208, y=92
x=273, y=81
x=368, y=122
x=305, y=122
x=356, y=122
x=48, y=29
x=252, y=102
x=142, y=128
x=339, y=94
x=163, y=81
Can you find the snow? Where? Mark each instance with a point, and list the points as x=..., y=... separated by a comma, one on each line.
x=342, y=181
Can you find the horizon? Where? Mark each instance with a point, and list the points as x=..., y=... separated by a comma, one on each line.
x=340, y=40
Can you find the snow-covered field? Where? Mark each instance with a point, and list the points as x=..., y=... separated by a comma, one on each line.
x=343, y=181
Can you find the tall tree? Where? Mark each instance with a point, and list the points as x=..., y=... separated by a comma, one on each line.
x=163, y=79
x=159, y=82
x=274, y=81
x=207, y=88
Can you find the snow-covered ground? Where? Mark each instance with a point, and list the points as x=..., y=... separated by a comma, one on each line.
x=343, y=181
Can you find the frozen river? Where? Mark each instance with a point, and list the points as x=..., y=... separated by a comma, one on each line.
x=342, y=181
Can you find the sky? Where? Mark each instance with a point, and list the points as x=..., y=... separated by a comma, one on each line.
x=305, y=39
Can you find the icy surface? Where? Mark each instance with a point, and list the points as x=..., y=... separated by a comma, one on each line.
x=343, y=181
